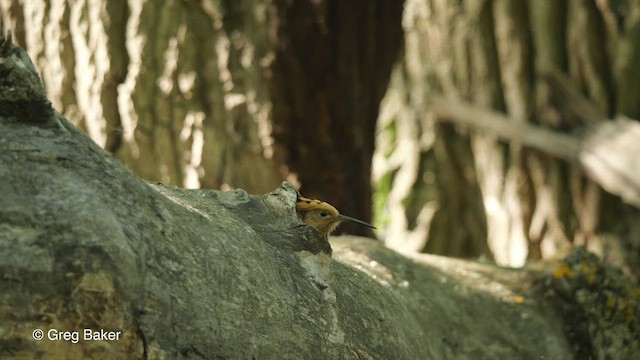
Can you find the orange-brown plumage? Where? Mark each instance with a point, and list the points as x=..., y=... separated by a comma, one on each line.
x=322, y=215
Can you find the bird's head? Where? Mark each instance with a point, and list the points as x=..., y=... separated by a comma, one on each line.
x=322, y=215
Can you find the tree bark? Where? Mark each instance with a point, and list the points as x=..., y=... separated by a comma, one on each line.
x=222, y=94
x=498, y=55
x=334, y=61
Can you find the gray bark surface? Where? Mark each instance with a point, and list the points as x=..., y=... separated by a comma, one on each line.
x=202, y=274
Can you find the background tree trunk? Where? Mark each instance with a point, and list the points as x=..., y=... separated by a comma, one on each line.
x=334, y=60
x=222, y=94
x=437, y=185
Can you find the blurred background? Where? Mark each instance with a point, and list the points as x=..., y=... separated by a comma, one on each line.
x=337, y=97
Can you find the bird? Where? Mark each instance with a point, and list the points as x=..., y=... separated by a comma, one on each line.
x=323, y=216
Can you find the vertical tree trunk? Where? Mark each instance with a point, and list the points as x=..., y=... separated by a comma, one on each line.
x=440, y=184
x=335, y=59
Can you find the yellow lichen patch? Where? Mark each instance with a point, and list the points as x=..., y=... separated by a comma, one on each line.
x=519, y=299
x=629, y=314
x=563, y=270
x=589, y=272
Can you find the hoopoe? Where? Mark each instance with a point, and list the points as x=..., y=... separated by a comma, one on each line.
x=322, y=215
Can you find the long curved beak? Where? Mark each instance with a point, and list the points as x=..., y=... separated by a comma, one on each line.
x=354, y=220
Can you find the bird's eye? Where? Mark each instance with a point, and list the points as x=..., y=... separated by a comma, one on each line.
x=323, y=213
